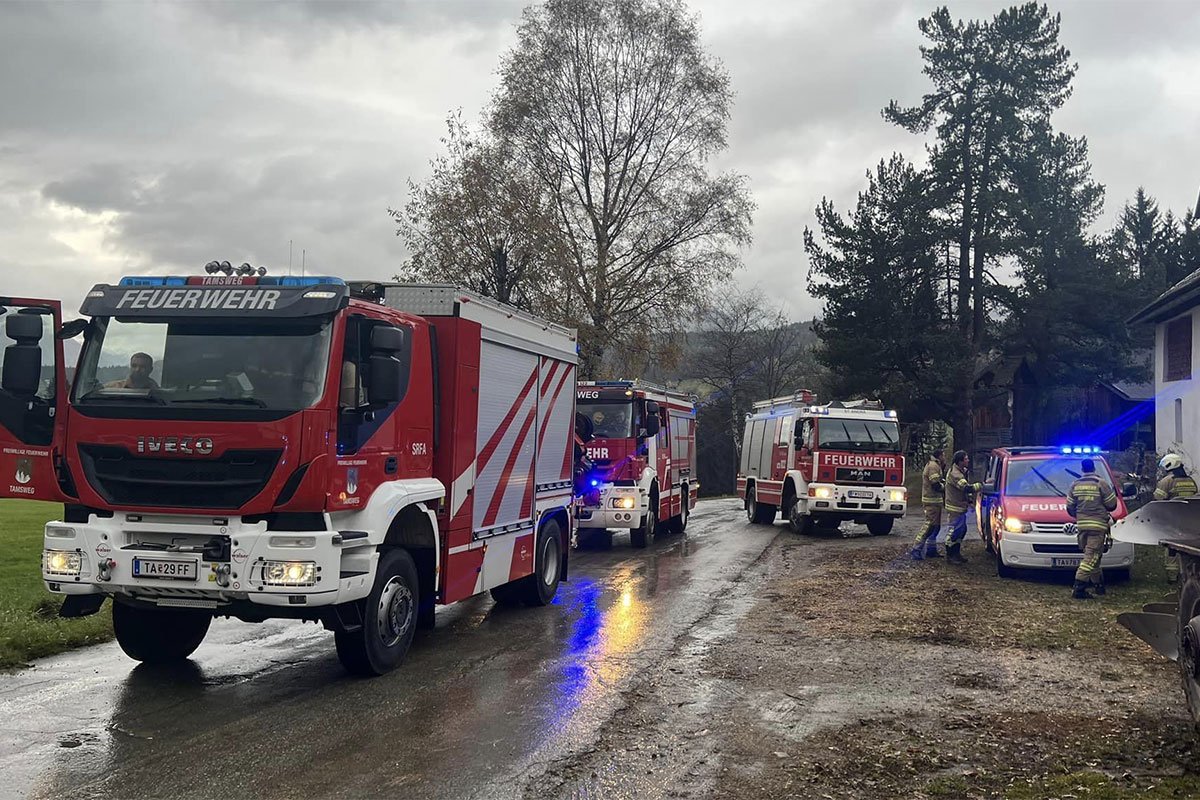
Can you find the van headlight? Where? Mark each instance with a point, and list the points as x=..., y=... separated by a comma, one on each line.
x=289, y=573
x=1015, y=525
x=62, y=562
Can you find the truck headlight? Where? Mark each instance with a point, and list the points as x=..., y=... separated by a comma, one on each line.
x=61, y=562
x=897, y=495
x=289, y=573
x=625, y=502
x=821, y=492
x=1016, y=525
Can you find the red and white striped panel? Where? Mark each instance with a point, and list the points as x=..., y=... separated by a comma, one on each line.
x=506, y=439
x=556, y=423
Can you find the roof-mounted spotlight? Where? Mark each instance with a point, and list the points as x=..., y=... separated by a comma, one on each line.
x=245, y=269
x=261, y=271
x=226, y=267
x=212, y=267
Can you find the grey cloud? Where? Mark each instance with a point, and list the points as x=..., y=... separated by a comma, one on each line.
x=100, y=187
x=426, y=16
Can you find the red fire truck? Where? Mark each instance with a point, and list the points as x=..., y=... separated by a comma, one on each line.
x=247, y=446
x=643, y=453
x=822, y=464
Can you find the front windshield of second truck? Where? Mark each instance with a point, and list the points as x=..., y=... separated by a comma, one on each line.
x=278, y=365
x=858, y=434
x=609, y=420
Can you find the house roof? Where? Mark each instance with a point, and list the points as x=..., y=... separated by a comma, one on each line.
x=1128, y=390
x=1179, y=298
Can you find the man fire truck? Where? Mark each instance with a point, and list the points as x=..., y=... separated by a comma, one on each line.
x=643, y=453
x=349, y=454
x=822, y=464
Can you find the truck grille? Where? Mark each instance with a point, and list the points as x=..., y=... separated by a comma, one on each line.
x=226, y=482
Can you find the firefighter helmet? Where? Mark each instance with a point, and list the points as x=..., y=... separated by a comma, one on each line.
x=1171, y=461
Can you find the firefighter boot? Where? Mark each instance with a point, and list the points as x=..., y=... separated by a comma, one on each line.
x=954, y=554
x=1080, y=591
x=1098, y=587
x=916, y=553
x=932, y=551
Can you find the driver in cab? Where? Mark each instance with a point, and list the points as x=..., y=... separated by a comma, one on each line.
x=140, y=367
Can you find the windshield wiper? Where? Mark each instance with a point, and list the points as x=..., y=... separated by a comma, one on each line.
x=1048, y=482
x=98, y=394
x=231, y=401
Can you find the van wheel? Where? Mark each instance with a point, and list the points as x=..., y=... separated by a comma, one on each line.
x=880, y=526
x=159, y=635
x=539, y=588
x=389, y=616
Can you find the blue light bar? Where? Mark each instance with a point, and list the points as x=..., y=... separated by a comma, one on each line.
x=290, y=280
x=622, y=384
x=146, y=280
x=1085, y=450
x=889, y=414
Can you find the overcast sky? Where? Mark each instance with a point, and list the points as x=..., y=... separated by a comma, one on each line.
x=146, y=138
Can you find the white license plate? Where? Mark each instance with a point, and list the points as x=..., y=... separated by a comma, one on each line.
x=861, y=495
x=1065, y=562
x=164, y=568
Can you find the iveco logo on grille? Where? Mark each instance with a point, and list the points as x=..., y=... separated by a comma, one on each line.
x=199, y=445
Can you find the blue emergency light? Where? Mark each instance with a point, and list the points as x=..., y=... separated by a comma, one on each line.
x=1077, y=450
x=146, y=280
x=265, y=280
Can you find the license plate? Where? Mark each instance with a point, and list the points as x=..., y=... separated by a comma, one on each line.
x=861, y=495
x=1065, y=562
x=163, y=568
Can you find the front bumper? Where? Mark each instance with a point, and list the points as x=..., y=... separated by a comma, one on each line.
x=604, y=515
x=339, y=571
x=856, y=500
x=1036, y=550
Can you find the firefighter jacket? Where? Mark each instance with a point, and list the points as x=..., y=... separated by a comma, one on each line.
x=1176, y=483
x=957, y=490
x=932, y=483
x=1089, y=501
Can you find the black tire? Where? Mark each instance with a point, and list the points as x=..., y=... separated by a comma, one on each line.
x=539, y=588
x=1189, y=607
x=508, y=594
x=799, y=524
x=389, y=616
x=643, y=535
x=1002, y=570
x=678, y=524
x=159, y=635
x=759, y=513
x=880, y=525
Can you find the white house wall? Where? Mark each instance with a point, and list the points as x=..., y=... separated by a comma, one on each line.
x=1186, y=391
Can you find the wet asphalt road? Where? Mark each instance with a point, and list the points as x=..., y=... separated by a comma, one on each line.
x=479, y=709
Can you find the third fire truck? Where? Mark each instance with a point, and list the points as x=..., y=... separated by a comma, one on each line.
x=643, y=452
x=822, y=464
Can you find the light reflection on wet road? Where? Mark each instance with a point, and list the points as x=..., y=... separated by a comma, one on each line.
x=479, y=708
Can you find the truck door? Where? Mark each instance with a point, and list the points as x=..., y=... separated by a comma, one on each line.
x=32, y=395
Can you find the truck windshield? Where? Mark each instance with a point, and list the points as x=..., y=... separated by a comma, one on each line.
x=609, y=420
x=277, y=364
x=1050, y=477
x=858, y=434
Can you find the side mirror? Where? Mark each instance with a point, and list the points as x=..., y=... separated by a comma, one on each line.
x=650, y=420
x=1129, y=490
x=71, y=329
x=388, y=339
x=988, y=488
x=22, y=370
x=384, y=384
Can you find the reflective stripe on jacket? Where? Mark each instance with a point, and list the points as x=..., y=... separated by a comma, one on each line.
x=931, y=484
x=956, y=490
x=1174, y=486
x=1089, y=501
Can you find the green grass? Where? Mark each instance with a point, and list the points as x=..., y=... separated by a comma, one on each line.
x=1097, y=786
x=29, y=625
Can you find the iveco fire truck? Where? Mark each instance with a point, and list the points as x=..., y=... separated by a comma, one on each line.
x=247, y=446
x=822, y=464
x=643, y=451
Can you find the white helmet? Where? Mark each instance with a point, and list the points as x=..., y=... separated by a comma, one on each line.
x=1171, y=461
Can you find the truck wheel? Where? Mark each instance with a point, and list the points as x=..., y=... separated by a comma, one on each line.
x=539, y=588
x=159, y=635
x=1189, y=648
x=679, y=524
x=389, y=618
x=759, y=513
x=880, y=526
x=802, y=524
x=644, y=535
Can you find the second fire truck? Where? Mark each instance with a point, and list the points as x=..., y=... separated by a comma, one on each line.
x=643, y=452
x=822, y=464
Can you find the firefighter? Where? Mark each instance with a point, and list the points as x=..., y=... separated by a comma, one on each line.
x=140, y=367
x=933, y=491
x=1089, y=501
x=1176, y=483
x=958, y=491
